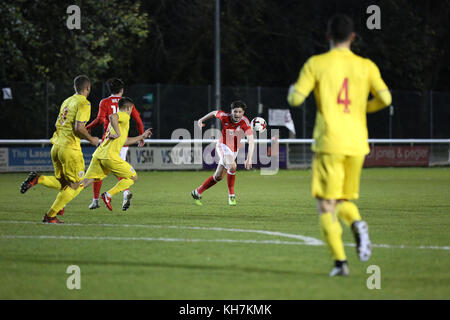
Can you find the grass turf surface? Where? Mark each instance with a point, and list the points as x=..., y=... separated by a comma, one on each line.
x=165, y=247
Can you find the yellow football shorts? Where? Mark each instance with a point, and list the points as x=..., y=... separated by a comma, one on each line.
x=100, y=168
x=336, y=176
x=68, y=163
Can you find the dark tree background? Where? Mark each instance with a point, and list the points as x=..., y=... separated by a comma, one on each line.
x=264, y=42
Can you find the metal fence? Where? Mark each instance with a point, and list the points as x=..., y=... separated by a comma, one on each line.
x=29, y=110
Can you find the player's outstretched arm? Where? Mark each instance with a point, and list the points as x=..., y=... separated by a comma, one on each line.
x=140, y=125
x=94, y=123
x=210, y=115
x=114, y=121
x=81, y=131
x=251, y=148
x=137, y=117
x=381, y=100
x=101, y=116
x=294, y=97
x=132, y=140
x=378, y=88
x=305, y=84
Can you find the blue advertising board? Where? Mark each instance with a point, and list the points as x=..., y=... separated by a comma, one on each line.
x=37, y=158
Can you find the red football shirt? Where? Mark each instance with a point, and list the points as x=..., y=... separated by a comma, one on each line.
x=109, y=106
x=232, y=133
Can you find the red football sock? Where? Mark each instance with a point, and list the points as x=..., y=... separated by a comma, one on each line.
x=97, y=185
x=206, y=185
x=231, y=176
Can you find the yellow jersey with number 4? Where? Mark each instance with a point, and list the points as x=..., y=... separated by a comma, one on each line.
x=74, y=108
x=110, y=148
x=341, y=81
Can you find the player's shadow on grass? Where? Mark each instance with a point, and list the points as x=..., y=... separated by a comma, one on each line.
x=231, y=268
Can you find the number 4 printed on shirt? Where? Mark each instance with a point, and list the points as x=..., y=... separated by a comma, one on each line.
x=345, y=101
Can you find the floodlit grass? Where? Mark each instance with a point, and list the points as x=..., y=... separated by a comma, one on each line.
x=165, y=247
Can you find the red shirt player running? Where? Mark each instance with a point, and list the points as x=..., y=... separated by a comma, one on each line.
x=107, y=107
x=234, y=126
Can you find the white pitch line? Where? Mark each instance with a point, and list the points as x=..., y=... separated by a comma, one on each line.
x=307, y=240
x=6, y=236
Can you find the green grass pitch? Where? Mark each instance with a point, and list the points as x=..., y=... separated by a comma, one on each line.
x=165, y=247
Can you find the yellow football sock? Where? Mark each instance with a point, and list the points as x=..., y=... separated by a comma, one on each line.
x=120, y=186
x=332, y=233
x=64, y=197
x=348, y=212
x=50, y=182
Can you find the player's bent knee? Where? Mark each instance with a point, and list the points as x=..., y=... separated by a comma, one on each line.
x=63, y=182
x=218, y=177
x=74, y=186
x=326, y=205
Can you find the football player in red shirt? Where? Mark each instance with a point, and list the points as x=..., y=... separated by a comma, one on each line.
x=234, y=126
x=107, y=107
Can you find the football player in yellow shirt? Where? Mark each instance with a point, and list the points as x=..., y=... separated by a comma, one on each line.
x=107, y=158
x=341, y=81
x=66, y=152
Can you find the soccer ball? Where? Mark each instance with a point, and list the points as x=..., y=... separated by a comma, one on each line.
x=259, y=124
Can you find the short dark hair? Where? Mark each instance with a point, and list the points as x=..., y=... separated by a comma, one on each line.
x=340, y=26
x=115, y=85
x=125, y=101
x=80, y=83
x=238, y=104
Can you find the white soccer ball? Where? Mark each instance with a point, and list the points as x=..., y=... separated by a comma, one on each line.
x=259, y=124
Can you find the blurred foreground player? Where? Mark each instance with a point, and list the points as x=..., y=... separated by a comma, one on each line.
x=107, y=107
x=341, y=81
x=234, y=126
